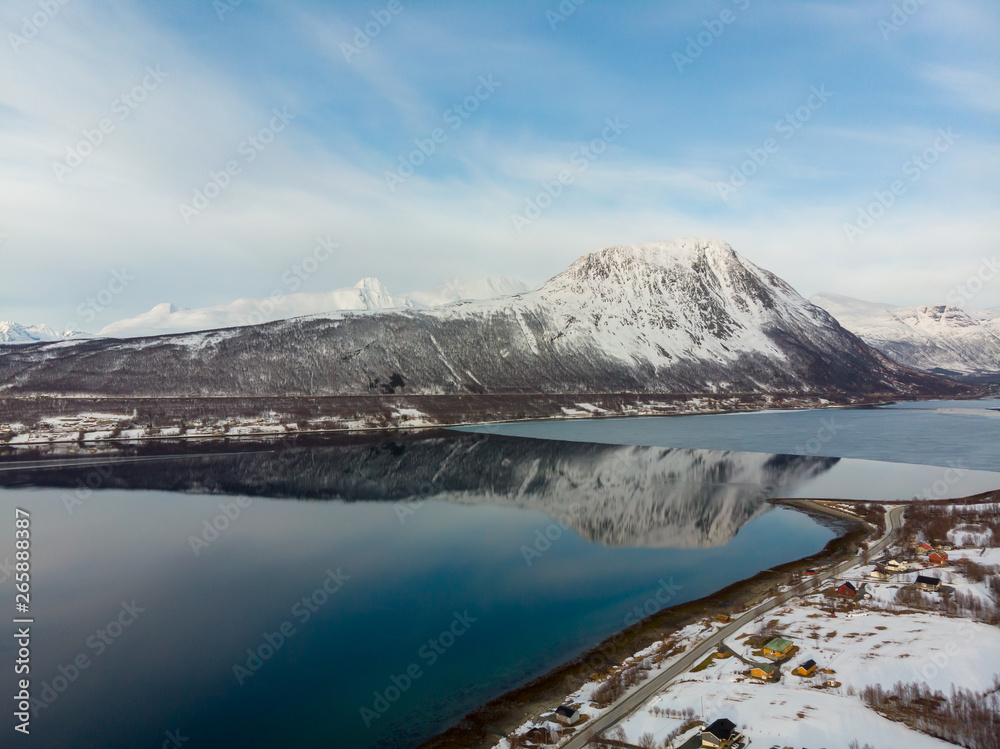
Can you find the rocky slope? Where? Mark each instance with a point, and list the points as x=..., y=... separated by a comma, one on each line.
x=683, y=316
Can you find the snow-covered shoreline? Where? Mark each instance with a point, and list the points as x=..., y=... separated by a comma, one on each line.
x=877, y=643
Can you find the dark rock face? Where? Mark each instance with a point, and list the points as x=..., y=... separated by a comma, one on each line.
x=684, y=316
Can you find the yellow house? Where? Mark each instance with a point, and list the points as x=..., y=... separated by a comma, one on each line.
x=806, y=669
x=778, y=648
x=764, y=671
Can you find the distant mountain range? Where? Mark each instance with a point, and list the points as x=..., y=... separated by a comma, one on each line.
x=934, y=338
x=366, y=295
x=670, y=317
x=13, y=333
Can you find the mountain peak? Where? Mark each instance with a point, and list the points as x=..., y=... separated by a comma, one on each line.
x=687, y=253
x=372, y=285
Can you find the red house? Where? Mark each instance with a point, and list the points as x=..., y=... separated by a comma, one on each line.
x=937, y=557
x=847, y=589
x=924, y=547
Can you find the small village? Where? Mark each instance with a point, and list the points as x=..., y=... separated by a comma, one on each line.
x=96, y=427
x=843, y=661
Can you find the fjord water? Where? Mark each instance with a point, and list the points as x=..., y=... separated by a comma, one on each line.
x=475, y=561
x=938, y=433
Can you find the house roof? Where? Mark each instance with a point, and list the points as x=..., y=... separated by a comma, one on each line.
x=928, y=580
x=565, y=710
x=722, y=729
x=767, y=668
x=808, y=664
x=779, y=644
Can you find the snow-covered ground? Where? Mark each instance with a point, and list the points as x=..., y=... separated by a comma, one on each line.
x=876, y=643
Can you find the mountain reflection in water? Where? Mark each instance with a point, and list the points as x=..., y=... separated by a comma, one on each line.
x=615, y=495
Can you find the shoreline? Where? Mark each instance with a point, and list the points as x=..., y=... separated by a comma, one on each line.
x=77, y=420
x=480, y=729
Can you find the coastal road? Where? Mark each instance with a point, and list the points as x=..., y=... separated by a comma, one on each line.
x=634, y=700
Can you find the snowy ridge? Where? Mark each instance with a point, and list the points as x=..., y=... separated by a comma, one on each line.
x=367, y=295
x=13, y=333
x=931, y=337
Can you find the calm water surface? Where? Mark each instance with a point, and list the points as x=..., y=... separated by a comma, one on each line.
x=939, y=433
x=477, y=561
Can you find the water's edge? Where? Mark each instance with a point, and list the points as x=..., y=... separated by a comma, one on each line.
x=482, y=728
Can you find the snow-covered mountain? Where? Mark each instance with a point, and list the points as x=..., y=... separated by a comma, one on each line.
x=684, y=316
x=366, y=295
x=13, y=333
x=934, y=338
x=458, y=291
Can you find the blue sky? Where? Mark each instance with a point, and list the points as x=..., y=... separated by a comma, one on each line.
x=698, y=93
